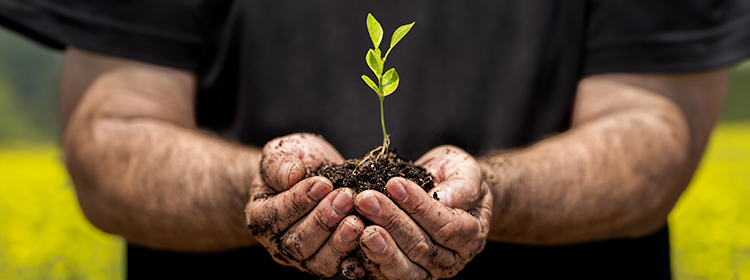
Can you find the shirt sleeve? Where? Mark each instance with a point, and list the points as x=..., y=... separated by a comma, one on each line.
x=666, y=35
x=164, y=32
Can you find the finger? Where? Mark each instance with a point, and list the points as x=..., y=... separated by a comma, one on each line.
x=328, y=260
x=457, y=175
x=411, y=239
x=449, y=227
x=286, y=159
x=305, y=237
x=281, y=170
x=386, y=258
x=457, y=192
x=268, y=216
x=352, y=268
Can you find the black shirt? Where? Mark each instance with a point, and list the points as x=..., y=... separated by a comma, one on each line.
x=481, y=75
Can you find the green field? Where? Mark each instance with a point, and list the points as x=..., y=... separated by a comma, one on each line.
x=45, y=236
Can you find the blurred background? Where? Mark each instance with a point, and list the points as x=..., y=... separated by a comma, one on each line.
x=44, y=235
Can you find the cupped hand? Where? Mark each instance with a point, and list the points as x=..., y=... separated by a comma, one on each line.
x=415, y=236
x=303, y=222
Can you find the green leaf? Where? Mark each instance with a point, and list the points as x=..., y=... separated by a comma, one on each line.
x=375, y=30
x=390, y=81
x=375, y=63
x=372, y=84
x=400, y=33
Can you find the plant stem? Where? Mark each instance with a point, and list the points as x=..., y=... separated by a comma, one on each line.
x=382, y=118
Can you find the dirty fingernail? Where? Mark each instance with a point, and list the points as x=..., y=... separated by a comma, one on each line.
x=318, y=191
x=349, y=233
x=369, y=205
x=375, y=243
x=342, y=203
x=398, y=191
x=284, y=172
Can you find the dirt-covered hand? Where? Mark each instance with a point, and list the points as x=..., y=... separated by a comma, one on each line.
x=302, y=222
x=415, y=236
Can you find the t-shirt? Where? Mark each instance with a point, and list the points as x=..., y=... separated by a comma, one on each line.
x=481, y=75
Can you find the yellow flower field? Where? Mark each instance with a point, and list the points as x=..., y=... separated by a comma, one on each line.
x=710, y=226
x=43, y=234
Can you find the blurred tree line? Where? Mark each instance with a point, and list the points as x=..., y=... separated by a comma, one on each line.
x=29, y=80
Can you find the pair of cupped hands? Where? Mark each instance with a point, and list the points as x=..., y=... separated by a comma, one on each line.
x=305, y=223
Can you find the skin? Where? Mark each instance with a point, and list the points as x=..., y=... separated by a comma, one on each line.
x=308, y=225
x=633, y=145
x=125, y=119
x=635, y=141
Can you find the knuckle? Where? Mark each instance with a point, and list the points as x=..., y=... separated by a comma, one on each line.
x=445, y=233
x=263, y=223
x=338, y=249
x=459, y=230
x=289, y=247
x=391, y=263
x=392, y=223
x=298, y=203
x=420, y=208
x=324, y=222
x=419, y=249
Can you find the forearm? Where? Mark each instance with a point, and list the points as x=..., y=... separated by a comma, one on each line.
x=156, y=182
x=162, y=186
x=615, y=175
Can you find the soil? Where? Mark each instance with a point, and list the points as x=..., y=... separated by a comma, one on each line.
x=374, y=172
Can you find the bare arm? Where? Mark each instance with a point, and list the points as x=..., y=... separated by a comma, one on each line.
x=634, y=144
x=140, y=167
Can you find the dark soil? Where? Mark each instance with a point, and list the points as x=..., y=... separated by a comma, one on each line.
x=374, y=172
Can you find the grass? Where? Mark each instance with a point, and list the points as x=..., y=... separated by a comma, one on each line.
x=44, y=235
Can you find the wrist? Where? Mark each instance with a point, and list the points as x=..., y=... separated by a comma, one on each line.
x=504, y=180
x=248, y=171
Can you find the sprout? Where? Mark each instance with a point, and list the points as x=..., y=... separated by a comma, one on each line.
x=388, y=82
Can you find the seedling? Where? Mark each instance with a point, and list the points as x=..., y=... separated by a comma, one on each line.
x=388, y=82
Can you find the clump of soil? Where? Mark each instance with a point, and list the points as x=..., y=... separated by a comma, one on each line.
x=374, y=172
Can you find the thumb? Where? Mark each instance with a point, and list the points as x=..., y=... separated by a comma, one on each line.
x=456, y=193
x=281, y=170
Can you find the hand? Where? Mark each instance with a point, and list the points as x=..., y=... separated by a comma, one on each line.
x=303, y=222
x=426, y=238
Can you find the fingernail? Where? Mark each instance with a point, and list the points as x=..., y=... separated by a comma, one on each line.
x=375, y=243
x=342, y=203
x=369, y=205
x=284, y=172
x=318, y=191
x=398, y=191
x=349, y=233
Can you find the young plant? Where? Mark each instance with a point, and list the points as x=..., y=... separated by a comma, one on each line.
x=388, y=82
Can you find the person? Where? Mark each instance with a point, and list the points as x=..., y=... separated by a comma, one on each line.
x=560, y=133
